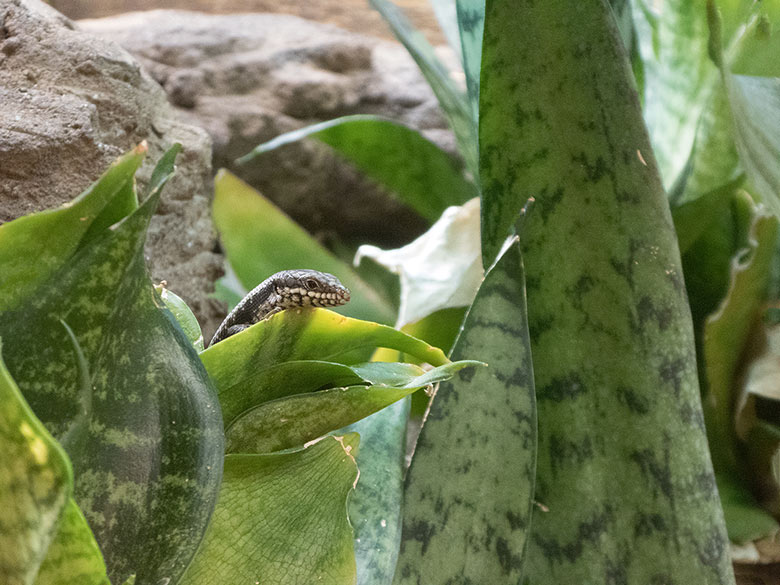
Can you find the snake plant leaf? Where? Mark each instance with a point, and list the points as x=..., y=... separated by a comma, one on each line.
x=281, y=518
x=678, y=75
x=251, y=229
x=471, y=22
x=294, y=420
x=611, y=337
x=447, y=17
x=726, y=333
x=238, y=362
x=21, y=241
x=35, y=483
x=420, y=173
x=148, y=477
x=375, y=505
x=74, y=555
x=471, y=483
x=452, y=100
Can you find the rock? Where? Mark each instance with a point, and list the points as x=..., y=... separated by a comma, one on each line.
x=246, y=78
x=72, y=103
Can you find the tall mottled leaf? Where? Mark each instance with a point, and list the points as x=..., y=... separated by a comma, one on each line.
x=259, y=240
x=420, y=173
x=282, y=518
x=452, y=100
x=35, y=483
x=469, y=491
x=147, y=475
x=623, y=470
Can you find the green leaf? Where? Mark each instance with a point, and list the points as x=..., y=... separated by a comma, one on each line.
x=375, y=506
x=724, y=222
x=163, y=170
x=260, y=240
x=294, y=420
x=239, y=364
x=451, y=99
x=74, y=556
x=726, y=333
x=612, y=343
x=678, y=77
x=714, y=162
x=35, y=483
x=755, y=105
x=281, y=518
x=691, y=219
x=745, y=519
x=423, y=176
x=148, y=475
x=64, y=228
x=471, y=484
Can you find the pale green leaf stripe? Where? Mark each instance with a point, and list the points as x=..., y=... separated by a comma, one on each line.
x=453, y=102
x=282, y=519
x=469, y=491
x=35, y=483
x=624, y=481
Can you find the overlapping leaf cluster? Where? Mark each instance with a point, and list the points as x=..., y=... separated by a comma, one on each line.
x=552, y=93
x=114, y=431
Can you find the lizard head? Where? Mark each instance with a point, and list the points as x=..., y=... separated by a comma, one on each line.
x=302, y=288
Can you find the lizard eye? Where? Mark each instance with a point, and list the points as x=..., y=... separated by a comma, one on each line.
x=311, y=284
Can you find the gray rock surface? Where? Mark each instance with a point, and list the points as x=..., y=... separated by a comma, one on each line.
x=72, y=103
x=246, y=78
